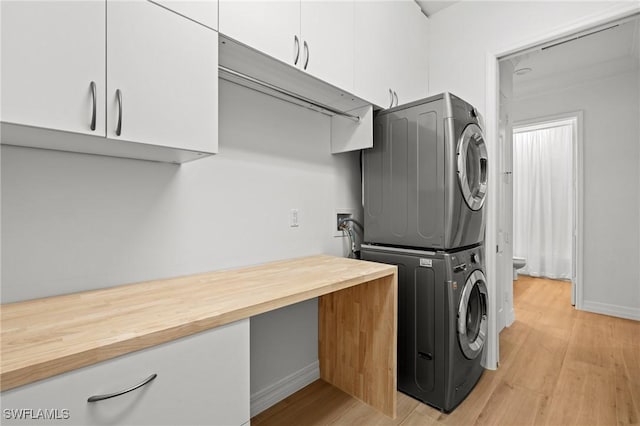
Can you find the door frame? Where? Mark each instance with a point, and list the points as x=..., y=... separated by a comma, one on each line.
x=577, y=149
x=496, y=268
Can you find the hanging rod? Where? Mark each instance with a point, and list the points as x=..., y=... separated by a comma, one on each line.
x=287, y=93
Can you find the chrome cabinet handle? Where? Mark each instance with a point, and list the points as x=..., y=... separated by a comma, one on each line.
x=391, y=96
x=296, y=44
x=119, y=125
x=395, y=95
x=93, y=109
x=96, y=398
x=306, y=51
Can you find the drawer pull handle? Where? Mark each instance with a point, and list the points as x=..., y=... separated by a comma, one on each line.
x=97, y=398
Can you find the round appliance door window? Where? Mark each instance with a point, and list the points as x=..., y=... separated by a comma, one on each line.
x=472, y=315
x=472, y=166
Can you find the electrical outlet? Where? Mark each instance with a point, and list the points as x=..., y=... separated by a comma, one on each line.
x=294, y=218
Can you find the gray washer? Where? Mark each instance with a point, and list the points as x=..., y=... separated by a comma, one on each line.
x=442, y=321
x=425, y=179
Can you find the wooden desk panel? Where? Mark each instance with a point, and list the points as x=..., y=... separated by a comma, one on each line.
x=357, y=341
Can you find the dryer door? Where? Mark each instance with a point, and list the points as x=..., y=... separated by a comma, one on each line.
x=472, y=315
x=472, y=166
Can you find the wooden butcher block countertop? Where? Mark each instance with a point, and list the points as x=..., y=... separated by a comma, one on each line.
x=49, y=336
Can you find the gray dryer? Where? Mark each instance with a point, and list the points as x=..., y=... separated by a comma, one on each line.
x=425, y=179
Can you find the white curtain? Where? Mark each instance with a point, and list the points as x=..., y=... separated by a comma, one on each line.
x=543, y=200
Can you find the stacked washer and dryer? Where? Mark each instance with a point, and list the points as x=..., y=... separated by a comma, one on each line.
x=425, y=182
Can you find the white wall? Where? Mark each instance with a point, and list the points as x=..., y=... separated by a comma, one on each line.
x=611, y=147
x=462, y=35
x=74, y=222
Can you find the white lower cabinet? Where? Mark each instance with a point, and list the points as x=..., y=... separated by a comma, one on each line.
x=202, y=379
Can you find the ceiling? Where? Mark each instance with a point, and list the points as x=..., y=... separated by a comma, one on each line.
x=594, y=54
x=430, y=7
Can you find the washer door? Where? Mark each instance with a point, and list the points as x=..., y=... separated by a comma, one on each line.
x=472, y=166
x=472, y=315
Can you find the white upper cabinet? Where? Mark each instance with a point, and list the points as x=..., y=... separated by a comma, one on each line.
x=53, y=65
x=272, y=27
x=315, y=36
x=203, y=11
x=376, y=50
x=161, y=78
x=390, y=52
x=374, y=46
x=327, y=36
x=410, y=76
x=137, y=73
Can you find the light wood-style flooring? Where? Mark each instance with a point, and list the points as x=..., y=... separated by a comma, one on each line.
x=558, y=366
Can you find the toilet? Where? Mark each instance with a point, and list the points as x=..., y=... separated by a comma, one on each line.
x=518, y=263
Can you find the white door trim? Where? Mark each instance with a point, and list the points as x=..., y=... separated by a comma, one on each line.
x=492, y=87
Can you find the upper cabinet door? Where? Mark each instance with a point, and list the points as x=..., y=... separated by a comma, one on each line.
x=410, y=73
x=53, y=64
x=375, y=43
x=390, y=52
x=162, y=78
x=327, y=36
x=272, y=27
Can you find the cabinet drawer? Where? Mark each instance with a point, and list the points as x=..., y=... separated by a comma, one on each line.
x=201, y=379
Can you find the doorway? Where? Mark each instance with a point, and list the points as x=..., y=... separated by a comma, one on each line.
x=517, y=68
x=546, y=168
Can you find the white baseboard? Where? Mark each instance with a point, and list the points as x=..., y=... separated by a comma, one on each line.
x=284, y=387
x=612, y=310
x=510, y=316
